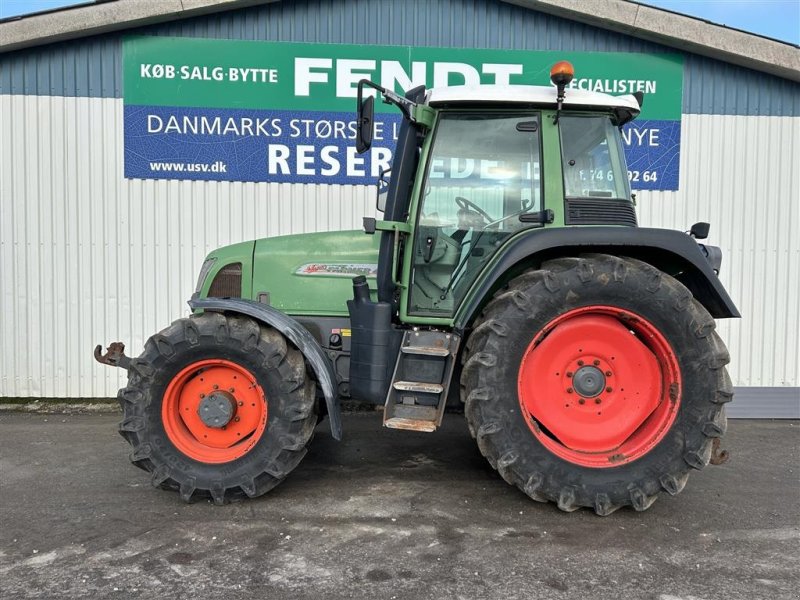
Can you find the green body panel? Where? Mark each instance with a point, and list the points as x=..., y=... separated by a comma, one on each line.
x=328, y=262
x=304, y=274
x=552, y=170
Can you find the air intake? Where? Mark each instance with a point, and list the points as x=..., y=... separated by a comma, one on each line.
x=227, y=283
x=596, y=211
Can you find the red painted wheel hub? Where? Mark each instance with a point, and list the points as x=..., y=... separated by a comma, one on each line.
x=236, y=401
x=599, y=386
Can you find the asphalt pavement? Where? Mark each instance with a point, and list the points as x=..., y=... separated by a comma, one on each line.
x=385, y=514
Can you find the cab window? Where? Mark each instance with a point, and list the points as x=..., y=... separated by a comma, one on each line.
x=484, y=171
x=591, y=155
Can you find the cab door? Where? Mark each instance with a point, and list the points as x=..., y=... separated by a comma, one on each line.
x=483, y=172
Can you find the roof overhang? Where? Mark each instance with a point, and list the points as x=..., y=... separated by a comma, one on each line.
x=104, y=16
x=638, y=20
x=678, y=31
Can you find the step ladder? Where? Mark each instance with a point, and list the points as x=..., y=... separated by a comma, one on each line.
x=421, y=380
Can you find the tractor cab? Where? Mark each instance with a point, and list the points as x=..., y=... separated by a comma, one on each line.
x=491, y=162
x=484, y=181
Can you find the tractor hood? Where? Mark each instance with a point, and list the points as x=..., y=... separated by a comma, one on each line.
x=312, y=273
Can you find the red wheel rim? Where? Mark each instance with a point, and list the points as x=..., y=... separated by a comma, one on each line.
x=599, y=386
x=190, y=391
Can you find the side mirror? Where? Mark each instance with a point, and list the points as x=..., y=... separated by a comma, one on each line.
x=364, y=123
x=383, y=189
x=699, y=231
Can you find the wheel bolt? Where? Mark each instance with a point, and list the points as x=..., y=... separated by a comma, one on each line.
x=241, y=403
x=230, y=390
x=224, y=428
x=597, y=400
x=609, y=390
x=216, y=387
x=236, y=419
x=580, y=363
x=569, y=373
x=569, y=390
x=202, y=395
x=608, y=373
x=581, y=401
x=596, y=362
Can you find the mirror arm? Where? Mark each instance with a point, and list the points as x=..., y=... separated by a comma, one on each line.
x=405, y=105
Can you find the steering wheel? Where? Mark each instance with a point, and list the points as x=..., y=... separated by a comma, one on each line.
x=465, y=204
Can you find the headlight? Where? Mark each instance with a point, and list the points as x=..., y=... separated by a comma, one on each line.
x=204, y=273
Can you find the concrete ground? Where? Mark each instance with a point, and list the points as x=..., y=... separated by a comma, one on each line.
x=384, y=515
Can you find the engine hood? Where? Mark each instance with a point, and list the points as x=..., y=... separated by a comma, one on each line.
x=311, y=273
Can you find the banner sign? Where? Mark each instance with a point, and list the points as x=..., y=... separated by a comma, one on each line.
x=229, y=110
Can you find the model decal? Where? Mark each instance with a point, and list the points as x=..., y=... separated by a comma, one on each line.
x=338, y=269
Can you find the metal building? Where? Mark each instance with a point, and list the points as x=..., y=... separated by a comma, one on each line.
x=88, y=255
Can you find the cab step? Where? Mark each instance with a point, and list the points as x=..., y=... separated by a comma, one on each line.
x=426, y=350
x=418, y=386
x=410, y=424
x=417, y=397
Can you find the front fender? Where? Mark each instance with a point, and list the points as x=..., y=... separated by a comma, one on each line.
x=297, y=334
x=670, y=251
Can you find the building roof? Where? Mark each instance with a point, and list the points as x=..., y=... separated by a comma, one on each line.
x=671, y=29
x=680, y=31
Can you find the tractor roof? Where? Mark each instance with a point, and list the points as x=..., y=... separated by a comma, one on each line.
x=541, y=95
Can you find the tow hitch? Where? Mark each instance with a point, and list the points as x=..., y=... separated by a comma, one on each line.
x=718, y=456
x=114, y=356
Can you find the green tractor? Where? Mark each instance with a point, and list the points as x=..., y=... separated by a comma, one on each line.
x=508, y=277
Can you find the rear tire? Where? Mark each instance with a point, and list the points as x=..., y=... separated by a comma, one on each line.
x=163, y=383
x=671, y=440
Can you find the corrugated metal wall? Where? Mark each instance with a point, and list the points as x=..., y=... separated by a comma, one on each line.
x=87, y=256
x=740, y=174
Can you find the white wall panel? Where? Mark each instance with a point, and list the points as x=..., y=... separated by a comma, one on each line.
x=742, y=175
x=87, y=256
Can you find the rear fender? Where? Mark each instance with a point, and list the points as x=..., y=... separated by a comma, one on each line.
x=295, y=333
x=670, y=251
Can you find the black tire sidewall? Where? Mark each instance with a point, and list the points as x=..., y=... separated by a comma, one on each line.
x=666, y=310
x=265, y=362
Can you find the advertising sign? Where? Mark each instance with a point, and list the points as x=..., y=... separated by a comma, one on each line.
x=229, y=110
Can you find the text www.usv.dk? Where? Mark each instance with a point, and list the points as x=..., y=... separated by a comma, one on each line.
x=215, y=167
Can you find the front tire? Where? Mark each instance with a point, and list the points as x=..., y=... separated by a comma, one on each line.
x=596, y=382
x=218, y=406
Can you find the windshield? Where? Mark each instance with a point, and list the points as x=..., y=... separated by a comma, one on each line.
x=483, y=172
x=594, y=164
